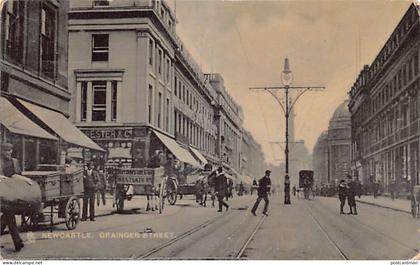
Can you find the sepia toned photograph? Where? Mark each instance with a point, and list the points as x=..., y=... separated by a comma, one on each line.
x=284, y=130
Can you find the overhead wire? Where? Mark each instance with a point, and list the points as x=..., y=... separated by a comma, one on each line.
x=245, y=54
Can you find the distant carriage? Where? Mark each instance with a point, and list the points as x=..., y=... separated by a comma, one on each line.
x=306, y=181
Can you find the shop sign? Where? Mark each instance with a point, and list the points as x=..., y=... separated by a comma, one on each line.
x=134, y=176
x=105, y=133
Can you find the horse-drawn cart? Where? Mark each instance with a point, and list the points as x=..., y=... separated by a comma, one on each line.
x=60, y=194
x=306, y=182
x=189, y=186
x=142, y=181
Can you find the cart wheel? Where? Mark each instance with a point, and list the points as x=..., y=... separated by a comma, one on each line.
x=72, y=213
x=171, y=192
x=172, y=197
x=121, y=191
x=2, y=225
x=120, y=202
x=162, y=189
x=28, y=222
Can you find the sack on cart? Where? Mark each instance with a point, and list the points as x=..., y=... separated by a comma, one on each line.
x=19, y=194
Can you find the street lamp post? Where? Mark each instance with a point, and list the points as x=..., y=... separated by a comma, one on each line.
x=287, y=79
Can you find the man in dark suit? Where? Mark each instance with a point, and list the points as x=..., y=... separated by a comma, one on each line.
x=264, y=186
x=8, y=167
x=351, y=194
x=221, y=188
x=90, y=179
x=342, y=194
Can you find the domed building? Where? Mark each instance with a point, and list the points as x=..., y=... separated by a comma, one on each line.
x=339, y=142
x=332, y=153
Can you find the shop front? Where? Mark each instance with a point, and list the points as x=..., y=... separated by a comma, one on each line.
x=32, y=145
x=135, y=146
x=40, y=135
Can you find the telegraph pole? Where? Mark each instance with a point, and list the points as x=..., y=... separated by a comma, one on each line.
x=287, y=79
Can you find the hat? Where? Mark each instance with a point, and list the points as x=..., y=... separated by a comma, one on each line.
x=7, y=146
x=267, y=171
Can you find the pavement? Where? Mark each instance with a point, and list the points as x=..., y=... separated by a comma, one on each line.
x=401, y=205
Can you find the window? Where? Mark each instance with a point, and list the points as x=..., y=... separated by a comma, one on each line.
x=159, y=109
x=183, y=93
x=150, y=103
x=150, y=52
x=99, y=101
x=100, y=3
x=114, y=100
x=100, y=47
x=160, y=62
x=83, y=106
x=175, y=122
x=179, y=89
x=179, y=124
x=168, y=67
x=167, y=114
x=188, y=98
x=176, y=87
x=48, y=41
x=14, y=29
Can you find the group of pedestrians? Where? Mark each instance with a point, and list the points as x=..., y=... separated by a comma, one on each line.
x=347, y=190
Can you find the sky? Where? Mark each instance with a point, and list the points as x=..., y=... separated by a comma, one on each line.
x=327, y=43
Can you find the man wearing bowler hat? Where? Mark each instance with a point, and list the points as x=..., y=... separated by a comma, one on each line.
x=8, y=167
x=264, y=186
x=90, y=180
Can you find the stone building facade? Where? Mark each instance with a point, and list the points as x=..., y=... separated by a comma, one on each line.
x=384, y=106
x=135, y=88
x=34, y=92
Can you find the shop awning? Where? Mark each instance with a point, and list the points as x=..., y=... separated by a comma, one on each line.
x=62, y=126
x=179, y=152
x=16, y=122
x=199, y=155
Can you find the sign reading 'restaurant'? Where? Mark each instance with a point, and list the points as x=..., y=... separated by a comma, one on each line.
x=106, y=133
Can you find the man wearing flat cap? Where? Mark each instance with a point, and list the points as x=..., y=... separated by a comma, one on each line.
x=264, y=186
x=8, y=167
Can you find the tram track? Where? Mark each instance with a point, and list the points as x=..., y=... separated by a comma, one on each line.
x=159, y=252
x=358, y=222
x=244, y=247
x=325, y=233
x=182, y=236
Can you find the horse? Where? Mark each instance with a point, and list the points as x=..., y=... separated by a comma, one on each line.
x=204, y=187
